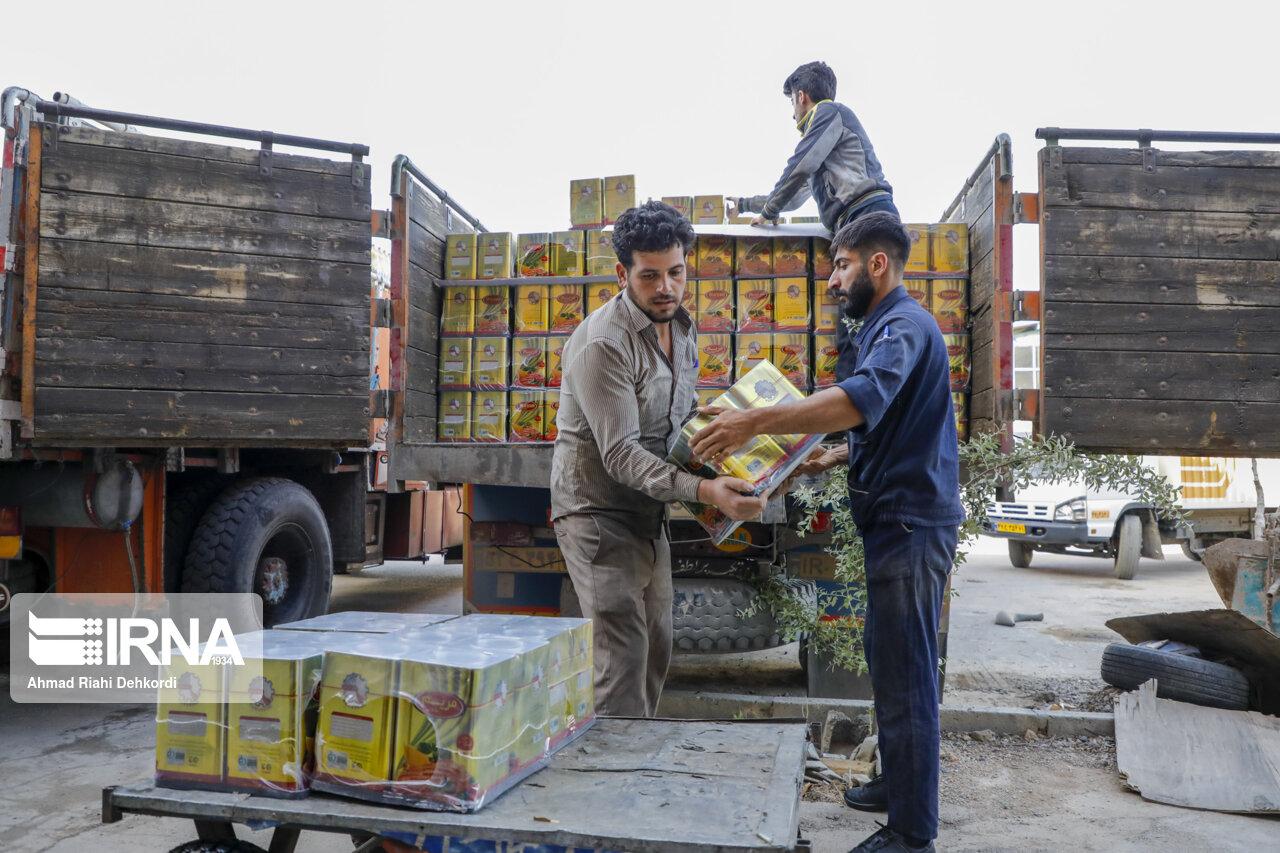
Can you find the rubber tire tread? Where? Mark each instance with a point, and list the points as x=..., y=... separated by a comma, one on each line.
x=1020, y=553
x=200, y=846
x=183, y=508
x=1187, y=679
x=209, y=567
x=706, y=615
x=1128, y=547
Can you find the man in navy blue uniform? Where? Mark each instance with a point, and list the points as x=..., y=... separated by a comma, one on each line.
x=904, y=494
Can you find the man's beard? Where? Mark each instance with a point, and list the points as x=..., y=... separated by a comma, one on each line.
x=655, y=318
x=859, y=295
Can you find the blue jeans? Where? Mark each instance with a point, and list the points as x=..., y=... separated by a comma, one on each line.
x=907, y=572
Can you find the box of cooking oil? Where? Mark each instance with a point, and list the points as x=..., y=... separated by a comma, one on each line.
x=572, y=703
x=918, y=289
x=555, y=360
x=689, y=300
x=364, y=622
x=918, y=260
x=599, y=294
x=715, y=355
x=460, y=259
x=822, y=263
x=355, y=734
x=525, y=416
x=600, y=257
x=566, y=308
x=531, y=312
x=272, y=713
x=949, y=303
x=455, y=416
x=191, y=726
x=791, y=304
x=530, y=692
x=550, y=411
x=825, y=357
x=568, y=253
x=682, y=203
x=458, y=311
x=715, y=255
x=715, y=305
x=529, y=361
x=791, y=357
x=455, y=363
x=708, y=210
x=755, y=305
x=619, y=196
x=958, y=355
x=753, y=256
x=707, y=397
x=533, y=254
x=752, y=350
x=489, y=359
x=586, y=203
x=949, y=250
x=493, y=310
x=826, y=308
x=791, y=256
x=489, y=416
x=960, y=403
x=495, y=254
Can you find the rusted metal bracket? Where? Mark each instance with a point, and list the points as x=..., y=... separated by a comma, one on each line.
x=382, y=313
x=1018, y=404
x=1015, y=306
x=264, y=154
x=380, y=223
x=380, y=403
x=228, y=460
x=1026, y=208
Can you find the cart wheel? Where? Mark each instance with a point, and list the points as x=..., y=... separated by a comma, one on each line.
x=217, y=847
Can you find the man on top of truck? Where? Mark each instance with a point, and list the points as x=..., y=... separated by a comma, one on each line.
x=629, y=372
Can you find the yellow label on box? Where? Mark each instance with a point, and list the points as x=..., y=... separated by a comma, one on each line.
x=568, y=253
x=826, y=308
x=755, y=305
x=525, y=415
x=791, y=256
x=705, y=397
x=600, y=257
x=791, y=304
x=533, y=254
x=619, y=196
x=714, y=356
x=754, y=255
x=715, y=305
x=566, y=308
x=455, y=416
x=489, y=416
x=918, y=260
x=550, y=411
x=715, y=255
x=586, y=203
x=960, y=403
x=825, y=358
x=531, y=308
x=682, y=203
x=494, y=255
x=752, y=350
x=458, y=311
x=493, y=310
x=689, y=300
x=529, y=357
x=599, y=294
x=555, y=360
x=355, y=733
x=950, y=247
x=708, y=210
x=949, y=303
x=791, y=357
x=959, y=358
x=191, y=724
x=822, y=263
x=460, y=259
x=268, y=742
x=455, y=362
x=489, y=361
x=918, y=289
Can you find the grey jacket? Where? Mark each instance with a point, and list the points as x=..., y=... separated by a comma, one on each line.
x=834, y=164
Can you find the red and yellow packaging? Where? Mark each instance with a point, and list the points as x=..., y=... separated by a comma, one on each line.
x=533, y=254
x=619, y=196
x=715, y=305
x=458, y=311
x=826, y=308
x=753, y=255
x=791, y=305
x=586, y=203
x=356, y=731
x=791, y=256
x=949, y=303
x=918, y=260
x=708, y=210
x=714, y=357
x=822, y=263
x=755, y=305
x=825, y=357
x=191, y=726
x=600, y=294
x=960, y=404
x=495, y=254
x=550, y=411
x=529, y=361
x=568, y=253
x=493, y=310
x=489, y=360
x=949, y=250
x=555, y=361
x=600, y=257
x=455, y=416
x=525, y=414
x=958, y=355
x=531, y=308
x=918, y=289
x=565, y=308
x=752, y=349
x=715, y=255
x=689, y=300
x=791, y=357
x=460, y=259
x=682, y=203
x=489, y=416
x=455, y=363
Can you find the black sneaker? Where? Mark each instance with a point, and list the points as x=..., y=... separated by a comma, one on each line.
x=885, y=840
x=871, y=797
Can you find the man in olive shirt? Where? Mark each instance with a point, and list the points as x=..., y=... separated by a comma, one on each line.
x=629, y=373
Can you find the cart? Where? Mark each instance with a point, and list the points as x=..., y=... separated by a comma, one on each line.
x=626, y=785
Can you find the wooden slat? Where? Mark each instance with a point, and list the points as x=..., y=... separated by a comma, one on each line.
x=1133, y=157
x=143, y=222
x=1132, y=187
x=162, y=378
x=115, y=267
x=419, y=430
x=428, y=212
x=424, y=333
x=1213, y=283
x=1157, y=329
x=1165, y=427
x=424, y=293
x=1190, y=377
x=195, y=180
x=30, y=282
x=426, y=251
x=1161, y=234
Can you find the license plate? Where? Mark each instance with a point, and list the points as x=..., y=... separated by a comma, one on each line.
x=1007, y=527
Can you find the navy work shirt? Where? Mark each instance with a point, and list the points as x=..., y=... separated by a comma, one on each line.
x=903, y=462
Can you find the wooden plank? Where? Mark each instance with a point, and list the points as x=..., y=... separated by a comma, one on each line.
x=424, y=332
x=243, y=154
x=1166, y=281
x=166, y=177
x=1166, y=427
x=30, y=281
x=1161, y=234
x=424, y=293
x=478, y=463
x=982, y=407
x=105, y=417
x=426, y=251
x=1202, y=189
x=143, y=222
x=1175, y=376
x=420, y=398
x=433, y=216
x=160, y=377
x=1133, y=157
x=420, y=430
x=1121, y=327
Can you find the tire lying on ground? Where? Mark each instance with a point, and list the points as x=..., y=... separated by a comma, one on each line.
x=706, y=615
x=1187, y=679
x=266, y=535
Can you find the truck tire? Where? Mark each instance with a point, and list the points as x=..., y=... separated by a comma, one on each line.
x=1181, y=677
x=706, y=615
x=265, y=535
x=217, y=847
x=184, y=504
x=1020, y=553
x=1190, y=553
x=1128, y=547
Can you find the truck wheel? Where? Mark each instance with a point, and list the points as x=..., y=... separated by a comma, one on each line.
x=266, y=535
x=1128, y=547
x=185, y=502
x=1020, y=553
x=1190, y=552
x=706, y=615
x=217, y=847
x=1181, y=677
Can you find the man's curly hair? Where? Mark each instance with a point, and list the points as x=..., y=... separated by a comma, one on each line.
x=651, y=227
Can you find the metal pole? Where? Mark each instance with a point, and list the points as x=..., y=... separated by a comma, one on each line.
x=403, y=164
x=1145, y=136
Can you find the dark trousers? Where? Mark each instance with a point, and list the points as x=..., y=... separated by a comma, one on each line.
x=846, y=353
x=907, y=572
